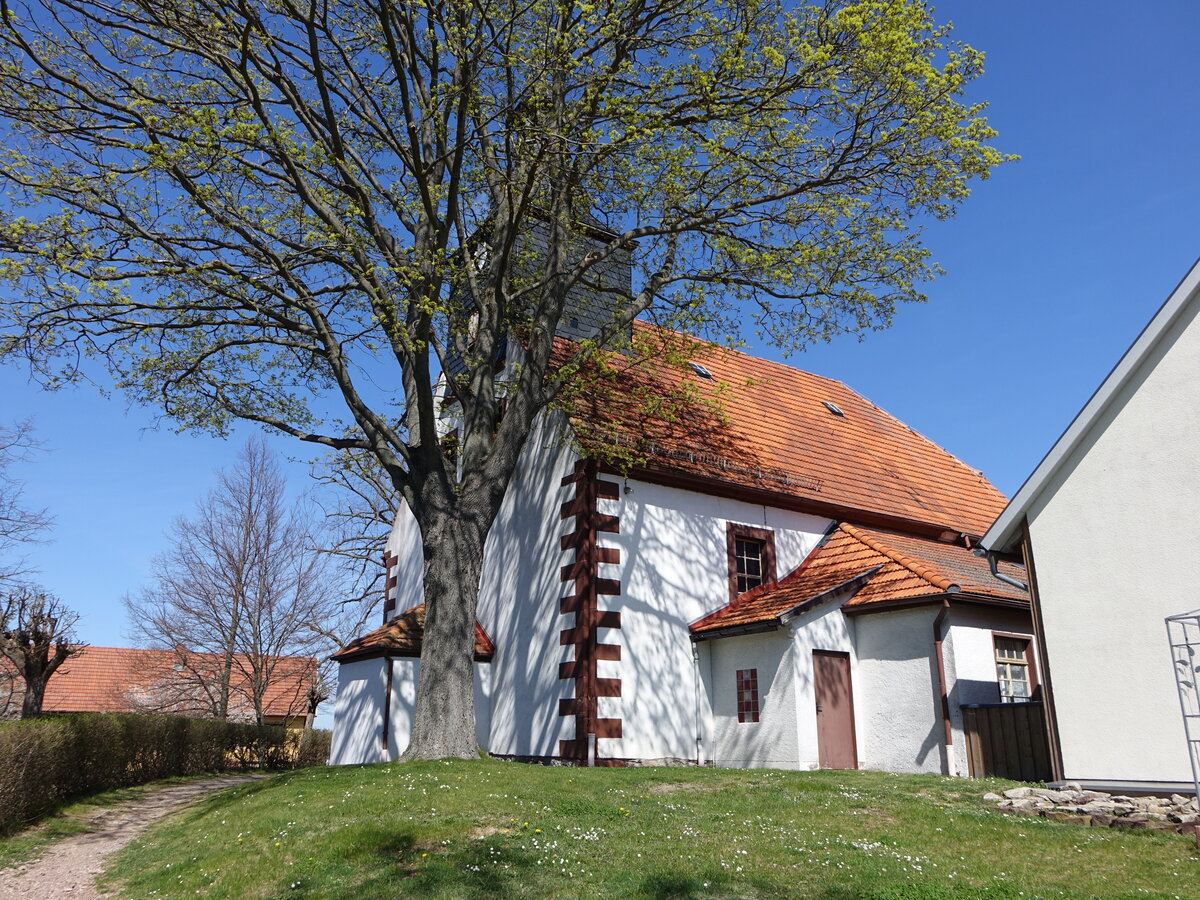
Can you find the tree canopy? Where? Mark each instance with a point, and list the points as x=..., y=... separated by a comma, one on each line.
x=303, y=213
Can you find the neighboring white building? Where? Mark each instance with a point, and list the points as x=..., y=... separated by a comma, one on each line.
x=1109, y=525
x=785, y=580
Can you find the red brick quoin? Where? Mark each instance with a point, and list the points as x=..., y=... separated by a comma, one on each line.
x=583, y=573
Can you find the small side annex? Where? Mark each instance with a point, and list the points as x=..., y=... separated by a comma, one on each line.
x=377, y=682
x=864, y=656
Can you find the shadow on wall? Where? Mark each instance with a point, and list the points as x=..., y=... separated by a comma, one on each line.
x=681, y=573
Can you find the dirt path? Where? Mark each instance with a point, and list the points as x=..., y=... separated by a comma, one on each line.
x=69, y=867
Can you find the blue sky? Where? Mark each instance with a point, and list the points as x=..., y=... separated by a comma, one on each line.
x=1053, y=267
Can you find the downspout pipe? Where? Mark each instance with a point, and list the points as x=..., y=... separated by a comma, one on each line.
x=943, y=693
x=993, y=564
x=700, y=760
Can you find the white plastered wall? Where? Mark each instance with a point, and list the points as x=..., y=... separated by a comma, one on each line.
x=897, y=699
x=771, y=741
x=405, y=673
x=822, y=627
x=518, y=598
x=1115, y=536
x=674, y=570
x=358, y=717
x=358, y=713
x=893, y=672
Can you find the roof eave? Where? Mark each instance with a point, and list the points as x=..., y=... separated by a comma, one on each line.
x=954, y=597
x=1005, y=532
x=771, y=624
x=348, y=656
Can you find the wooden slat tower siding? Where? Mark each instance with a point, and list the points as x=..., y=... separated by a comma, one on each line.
x=1007, y=740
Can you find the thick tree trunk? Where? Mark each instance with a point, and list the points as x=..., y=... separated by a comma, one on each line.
x=35, y=692
x=444, y=719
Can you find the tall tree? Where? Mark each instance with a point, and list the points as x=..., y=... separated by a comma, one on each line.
x=240, y=206
x=240, y=588
x=37, y=637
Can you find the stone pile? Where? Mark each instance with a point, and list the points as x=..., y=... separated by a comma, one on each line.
x=1080, y=807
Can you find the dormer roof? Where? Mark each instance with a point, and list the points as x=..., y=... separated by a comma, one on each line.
x=401, y=636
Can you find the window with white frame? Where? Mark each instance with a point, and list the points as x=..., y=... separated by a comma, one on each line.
x=1014, y=672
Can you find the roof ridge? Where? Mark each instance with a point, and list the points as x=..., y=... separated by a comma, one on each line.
x=914, y=566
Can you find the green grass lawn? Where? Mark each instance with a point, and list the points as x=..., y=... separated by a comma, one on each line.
x=493, y=829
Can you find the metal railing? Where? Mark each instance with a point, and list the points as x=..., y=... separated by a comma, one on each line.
x=1183, y=634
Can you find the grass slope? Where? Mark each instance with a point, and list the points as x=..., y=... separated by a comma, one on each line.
x=504, y=830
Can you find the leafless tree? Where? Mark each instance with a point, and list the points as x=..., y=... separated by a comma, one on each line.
x=360, y=504
x=18, y=524
x=36, y=636
x=240, y=588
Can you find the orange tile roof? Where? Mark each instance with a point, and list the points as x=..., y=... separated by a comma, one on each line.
x=895, y=567
x=763, y=425
x=129, y=679
x=401, y=636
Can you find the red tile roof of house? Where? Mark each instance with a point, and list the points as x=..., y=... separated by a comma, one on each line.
x=128, y=679
x=765, y=426
x=401, y=636
x=891, y=568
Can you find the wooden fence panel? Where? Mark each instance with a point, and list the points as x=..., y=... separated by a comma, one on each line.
x=1007, y=740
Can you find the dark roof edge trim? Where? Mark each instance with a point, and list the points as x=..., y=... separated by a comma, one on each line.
x=931, y=599
x=346, y=656
x=735, y=631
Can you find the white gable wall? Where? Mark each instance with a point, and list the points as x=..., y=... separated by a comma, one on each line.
x=674, y=570
x=1115, y=535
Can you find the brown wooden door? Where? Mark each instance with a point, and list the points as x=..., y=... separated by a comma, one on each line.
x=836, y=747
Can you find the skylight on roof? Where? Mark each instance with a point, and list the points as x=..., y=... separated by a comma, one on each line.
x=833, y=408
x=700, y=370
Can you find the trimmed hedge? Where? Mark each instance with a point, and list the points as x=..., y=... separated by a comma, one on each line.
x=49, y=761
